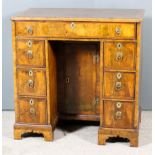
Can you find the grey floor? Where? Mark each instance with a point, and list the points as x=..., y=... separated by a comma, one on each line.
x=74, y=139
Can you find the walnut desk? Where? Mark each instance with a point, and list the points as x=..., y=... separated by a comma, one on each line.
x=77, y=64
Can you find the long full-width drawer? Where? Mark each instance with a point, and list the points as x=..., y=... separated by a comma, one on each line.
x=76, y=29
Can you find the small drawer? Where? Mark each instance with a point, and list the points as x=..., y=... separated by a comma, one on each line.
x=119, y=85
x=31, y=110
x=119, y=55
x=118, y=114
x=76, y=29
x=31, y=82
x=30, y=53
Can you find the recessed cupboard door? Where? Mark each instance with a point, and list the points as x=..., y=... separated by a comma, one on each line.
x=80, y=78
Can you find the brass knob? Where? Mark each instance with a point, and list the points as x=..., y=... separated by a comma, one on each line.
x=118, y=85
x=119, y=56
x=72, y=25
x=30, y=73
x=119, y=76
x=118, y=31
x=30, y=83
x=32, y=110
x=119, y=45
x=29, y=43
x=118, y=105
x=118, y=115
x=31, y=102
x=29, y=30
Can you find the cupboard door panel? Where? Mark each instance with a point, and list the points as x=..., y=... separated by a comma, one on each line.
x=80, y=78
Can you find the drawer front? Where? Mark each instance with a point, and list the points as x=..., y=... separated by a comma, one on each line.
x=31, y=110
x=31, y=82
x=118, y=114
x=30, y=53
x=76, y=29
x=119, y=55
x=119, y=85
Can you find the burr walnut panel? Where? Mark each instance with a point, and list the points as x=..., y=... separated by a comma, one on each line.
x=119, y=55
x=76, y=29
x=31, y=82
x=31, y=110
x=119, y=85
x=30, y=53
x=118, y=114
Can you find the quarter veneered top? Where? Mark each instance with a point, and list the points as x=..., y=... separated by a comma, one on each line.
x=78, y=14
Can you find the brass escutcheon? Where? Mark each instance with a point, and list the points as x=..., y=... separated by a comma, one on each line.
x=118, y=105
x=31, y=102
x=29, y=43
x=119, y=76
x=30, y=73
x=72, y=25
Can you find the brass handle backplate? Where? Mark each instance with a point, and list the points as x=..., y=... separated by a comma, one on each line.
x=117, y=31
x=29, y=54
x=118, y=115
x=32, y=111
x=30, y=83
x=119, y=56
x=118, y=85
x=29, y=30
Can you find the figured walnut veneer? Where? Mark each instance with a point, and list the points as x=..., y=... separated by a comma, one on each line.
x=77, y=64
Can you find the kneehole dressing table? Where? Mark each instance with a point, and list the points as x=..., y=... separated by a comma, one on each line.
x=77, y=64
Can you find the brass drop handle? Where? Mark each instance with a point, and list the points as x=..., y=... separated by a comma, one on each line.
x=119, y=56
x=118, y=85
x=29, y=30
x=117, y=31
x=31, y=102
x=118, y=115
x=29, y=43
x=29, y=54
x=30, y=83
x=32, y=110
x=118, y=105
